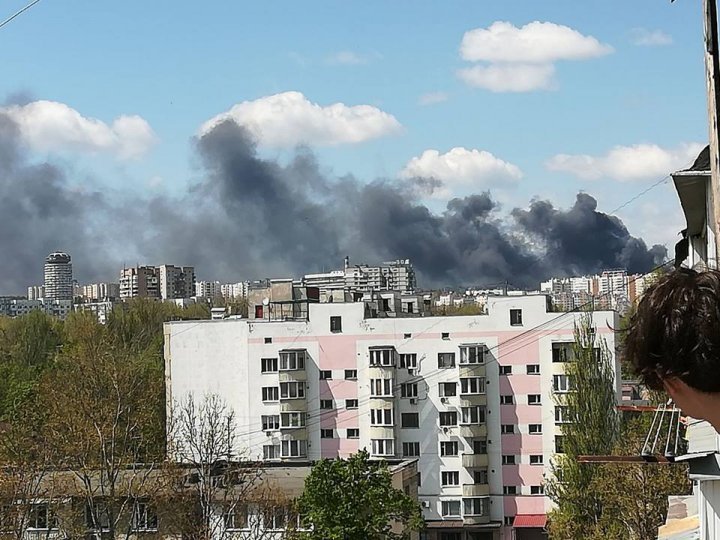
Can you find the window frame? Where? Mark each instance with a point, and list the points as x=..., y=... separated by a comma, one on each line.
x=516, y=317
x=264, y=361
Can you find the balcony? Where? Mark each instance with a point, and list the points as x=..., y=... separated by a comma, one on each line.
x=469, y=400
x=472, y=430
x=476, y=490
x=293, y=376
x=473, y=461
x=476, y=520
x=472, y=370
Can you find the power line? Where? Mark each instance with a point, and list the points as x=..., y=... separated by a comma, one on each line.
x=18, y=13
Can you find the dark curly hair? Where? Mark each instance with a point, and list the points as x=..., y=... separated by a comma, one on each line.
x=675, y=331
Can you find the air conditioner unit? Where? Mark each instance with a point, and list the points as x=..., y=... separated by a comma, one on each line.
x=413, y=401
x=425, y=504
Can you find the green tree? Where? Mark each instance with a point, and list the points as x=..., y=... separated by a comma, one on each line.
x=354, y=499
x=594, y=426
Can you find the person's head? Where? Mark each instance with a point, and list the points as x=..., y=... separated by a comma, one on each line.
x=673, y=339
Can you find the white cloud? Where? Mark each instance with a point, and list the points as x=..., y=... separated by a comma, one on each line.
x=650, y=38
x=627, y=163
x=536, y=42
x=510, y=77
x=347, y=58
x=461, y=167
x=432, y=98
x=522, y=59
x=289, y=118
x=53, y=126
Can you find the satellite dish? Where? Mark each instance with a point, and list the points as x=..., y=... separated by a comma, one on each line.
x=266, y=301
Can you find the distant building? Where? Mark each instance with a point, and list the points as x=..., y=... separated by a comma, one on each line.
x=176, y=281
x=96, y=292
x=389, y=276
x=208, y=289
x=139, y=282
x=101, y=310
x=58, y=277
x=234, y=290
x=36, y=292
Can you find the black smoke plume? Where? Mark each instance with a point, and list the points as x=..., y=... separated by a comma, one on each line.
x=252, y=218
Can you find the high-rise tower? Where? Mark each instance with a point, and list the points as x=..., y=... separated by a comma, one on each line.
x=58, y=277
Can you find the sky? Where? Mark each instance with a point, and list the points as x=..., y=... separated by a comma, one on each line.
x=529, y=101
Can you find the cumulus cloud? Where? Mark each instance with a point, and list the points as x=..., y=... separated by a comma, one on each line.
x=650, y=38
x=460, y=167
x=432, y=98
x=510, y=77
x=522, y=59
x=289, y=119
x=627, y=163
x=53, y=126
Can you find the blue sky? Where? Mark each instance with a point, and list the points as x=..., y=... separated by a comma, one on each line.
x=632, y=80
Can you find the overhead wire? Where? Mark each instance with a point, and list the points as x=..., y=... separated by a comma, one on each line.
x=18, y=13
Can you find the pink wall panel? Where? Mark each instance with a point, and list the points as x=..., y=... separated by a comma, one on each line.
x=521, y=414
x=517, y=444
x=338, y=352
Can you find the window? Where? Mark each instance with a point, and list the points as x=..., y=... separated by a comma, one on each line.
x=516, y=317
x=351, y=403
x=448, y=418
x=275, y=519
x=41, y=517
x=383, y=447
x=476, y=506
x=325, y=374
x=144, y=517
x=267, y=339
x=535, y=429
x=509, y=490
x=562, y=352
x=559, y=444
x=472, y=354
x=381, y=387
x=326, y=403
x=562, y=414
x=446, y=360
x=292, y=390
x=336, y=324
x=410, y=420
x=447, y=389
x=472, y=415
x=533, y=369
x=271, y=451
x=446, y=536
x=411, y=449
x=97, y=517
x=381, y=417
x=351, y=374
x=327, y=433
x=451, y=508
x=270, y=393
x=506, y=399
x=292, y=449
x=448, y=448
x=505, y=370
x=562, y=383
x=480, y=476
x=236, y=518
x=259, y=313
x=533, y=399
x=409, y=390
x=408, y=360
x=479, y=446
x=382, y=357
x=292, y=360
x=269, y=365
x=536, y=459
x=445, y=335
x=508, y=460
x=270, y=422
x=537, y=490
x=508, y=520
x=450, y=478
x=506, y=429
x=472, y=385
x=407, y=336
x=292, y=419
x=353, y=433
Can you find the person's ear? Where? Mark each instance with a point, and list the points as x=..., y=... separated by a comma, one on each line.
x=673, y=386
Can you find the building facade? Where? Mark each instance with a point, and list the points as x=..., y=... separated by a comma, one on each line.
x=208, y=289
x=139, y=282
x=361, y=278
x=176, y=281
x=58, y=277
x=470, y=397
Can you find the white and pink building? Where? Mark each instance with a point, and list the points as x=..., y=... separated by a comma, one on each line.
x=470, y=397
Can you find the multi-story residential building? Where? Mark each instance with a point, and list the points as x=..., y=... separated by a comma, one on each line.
x=176, y=281
x=100, y=309
x=470, y=397
x=139, y=282
x=98, y=292
x=35, y=292
x=208, y=289
x=17, y=307
x=361, y=278
x=58, y=277
x=234, y=290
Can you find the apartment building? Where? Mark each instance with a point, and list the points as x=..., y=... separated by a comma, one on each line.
x=396, y=275
x=469, y=397
x=176, y=281
x=207, y=289
x=58, y=277
x=139, y=282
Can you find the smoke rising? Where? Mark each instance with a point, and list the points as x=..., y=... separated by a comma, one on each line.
x=252, y=218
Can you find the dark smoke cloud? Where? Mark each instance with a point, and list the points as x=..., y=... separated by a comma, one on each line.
x=252, y=218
